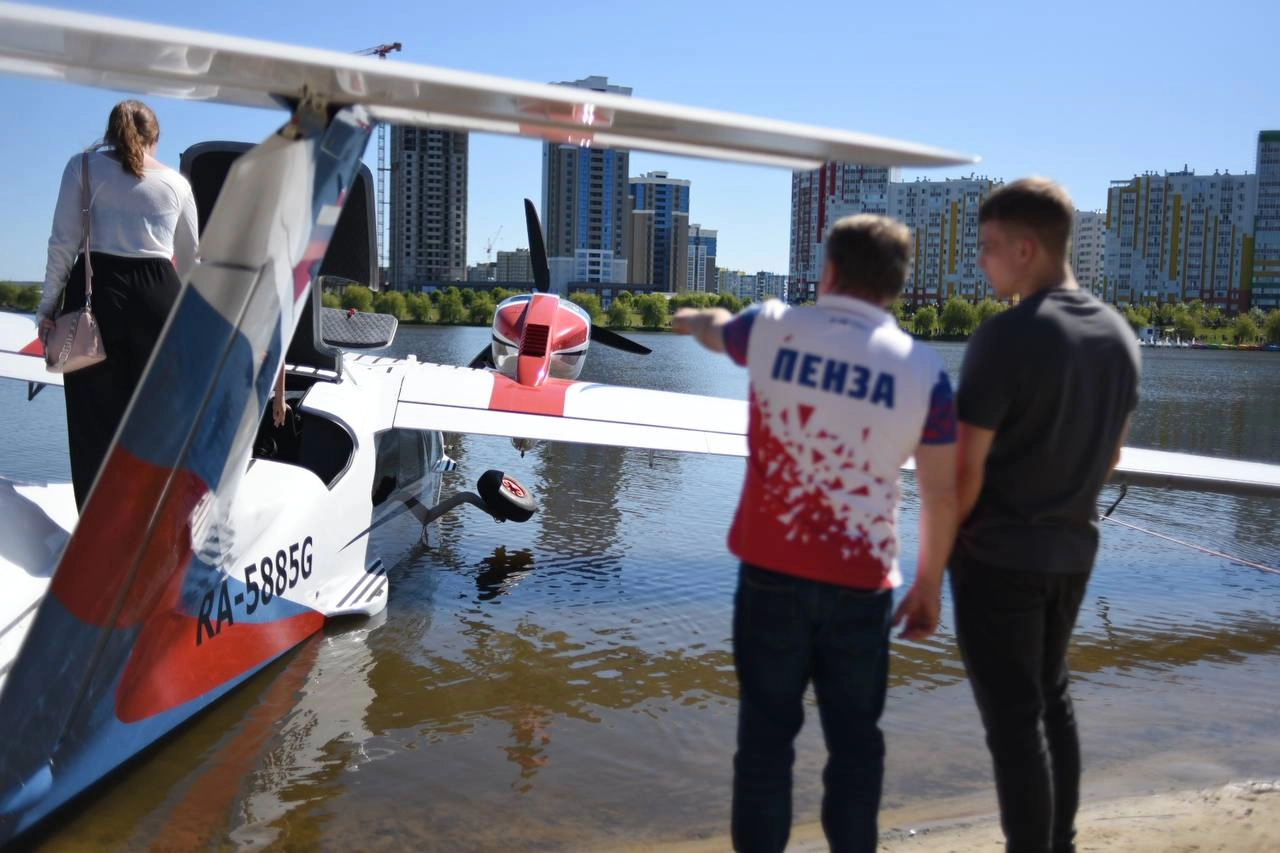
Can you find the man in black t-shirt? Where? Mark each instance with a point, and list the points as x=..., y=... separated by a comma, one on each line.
x=1046, y=393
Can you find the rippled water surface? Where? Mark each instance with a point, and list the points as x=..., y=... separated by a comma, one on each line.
x=568, y=683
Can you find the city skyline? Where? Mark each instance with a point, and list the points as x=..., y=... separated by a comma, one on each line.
x=926, y=81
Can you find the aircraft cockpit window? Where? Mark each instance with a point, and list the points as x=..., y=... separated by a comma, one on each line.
x=386, y=472
x=401, y=462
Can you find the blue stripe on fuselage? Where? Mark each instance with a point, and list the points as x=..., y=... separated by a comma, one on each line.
x=186, y=363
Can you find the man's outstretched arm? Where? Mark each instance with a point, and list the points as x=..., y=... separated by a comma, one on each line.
x=705, y=324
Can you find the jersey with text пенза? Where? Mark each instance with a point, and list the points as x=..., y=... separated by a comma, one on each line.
x=840, y=397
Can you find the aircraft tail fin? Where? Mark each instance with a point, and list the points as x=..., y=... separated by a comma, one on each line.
x=120, y=649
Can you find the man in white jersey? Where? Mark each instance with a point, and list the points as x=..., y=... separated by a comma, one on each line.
x=840, y=398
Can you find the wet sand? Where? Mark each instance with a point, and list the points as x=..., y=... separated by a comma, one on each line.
x=1242, y=817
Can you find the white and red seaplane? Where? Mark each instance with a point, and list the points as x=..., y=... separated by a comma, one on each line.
x=212, y=543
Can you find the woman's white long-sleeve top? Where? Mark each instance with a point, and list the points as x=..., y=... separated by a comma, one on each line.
x=149, y=217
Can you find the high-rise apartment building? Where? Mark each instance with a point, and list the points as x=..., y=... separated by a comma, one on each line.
x=659, y=221
x=818, y=198
x=701, y=272
x=1088, y=245
x=1265, y=272
x=752, y=287
x=943, y=217
x=428, y=229
x=584, y=206
x=1179, y=236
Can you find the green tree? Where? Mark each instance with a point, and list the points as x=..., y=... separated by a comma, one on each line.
x=925, y=322
x=729, y=302
x=357, y=296
x=620, y=314
x=450, y=307
x=959, y=317
x=989, y=308
x=481, y=311
x=1138, y=316
x=1184, y=323
x=391, y=302
x=28, y=298
x=1272, y=327
x=1245, y=330
x=419, y=307
x=680, y=300
x=329, y=299
x=624, y=296
x=590, y=303
x=8, y=294
x=898, y=309
x=653, y=310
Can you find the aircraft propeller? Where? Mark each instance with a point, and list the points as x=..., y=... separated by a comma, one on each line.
x=542, y=281
x=542, y=284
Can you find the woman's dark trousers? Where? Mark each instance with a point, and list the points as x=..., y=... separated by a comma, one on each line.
x=132, y=298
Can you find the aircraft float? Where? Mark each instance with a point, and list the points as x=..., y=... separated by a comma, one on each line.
x=212, y=542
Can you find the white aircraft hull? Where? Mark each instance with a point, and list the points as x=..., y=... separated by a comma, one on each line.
x=292, y=553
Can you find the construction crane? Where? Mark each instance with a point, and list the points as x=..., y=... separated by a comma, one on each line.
x=488, y=252
x=488, y=246
x=380, y=204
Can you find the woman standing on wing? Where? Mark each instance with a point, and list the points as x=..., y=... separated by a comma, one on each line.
x=143, y=245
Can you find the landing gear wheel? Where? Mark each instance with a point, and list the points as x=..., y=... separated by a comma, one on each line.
x=505, y=498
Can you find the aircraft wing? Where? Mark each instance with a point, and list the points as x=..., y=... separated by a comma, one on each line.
x=21, y=355
x=133, y=56
x=459, y=399
x=1161, y=468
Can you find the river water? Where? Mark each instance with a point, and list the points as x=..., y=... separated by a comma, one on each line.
x=567, y=684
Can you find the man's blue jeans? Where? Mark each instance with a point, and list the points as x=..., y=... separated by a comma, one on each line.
x=786, y=632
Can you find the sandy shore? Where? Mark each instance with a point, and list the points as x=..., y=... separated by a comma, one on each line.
x=1242, y=817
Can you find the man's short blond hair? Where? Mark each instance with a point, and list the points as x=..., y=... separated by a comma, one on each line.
x=870, y=256
x=1039, y=205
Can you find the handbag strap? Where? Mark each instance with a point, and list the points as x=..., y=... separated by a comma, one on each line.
x=85, y=219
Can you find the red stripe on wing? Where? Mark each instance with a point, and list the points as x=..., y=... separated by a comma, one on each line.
x=545, y=399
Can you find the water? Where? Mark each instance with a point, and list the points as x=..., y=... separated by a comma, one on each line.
x=568, y=683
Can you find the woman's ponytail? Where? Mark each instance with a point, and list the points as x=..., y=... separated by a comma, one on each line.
x=131, y=129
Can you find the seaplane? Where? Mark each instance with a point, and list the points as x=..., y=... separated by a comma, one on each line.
x=212, y=541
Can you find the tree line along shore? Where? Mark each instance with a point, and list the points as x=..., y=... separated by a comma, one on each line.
x=956, y=319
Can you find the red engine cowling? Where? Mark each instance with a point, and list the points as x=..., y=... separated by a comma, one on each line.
x=536, y=335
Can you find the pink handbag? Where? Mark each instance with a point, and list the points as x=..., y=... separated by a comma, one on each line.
x=75, y=341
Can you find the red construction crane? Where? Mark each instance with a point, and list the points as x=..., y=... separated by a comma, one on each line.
x=380, y=204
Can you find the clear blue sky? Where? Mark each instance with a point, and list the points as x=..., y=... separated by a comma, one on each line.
x=1084, y=92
